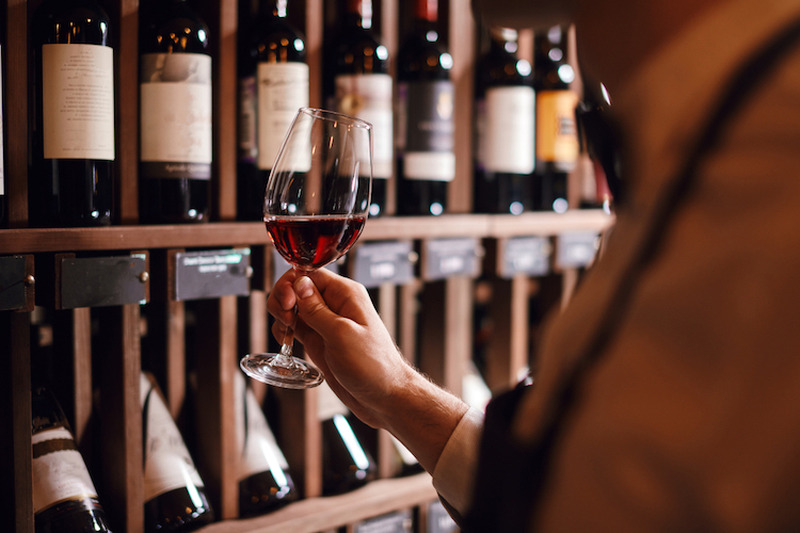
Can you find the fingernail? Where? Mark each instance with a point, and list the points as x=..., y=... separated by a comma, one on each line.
x=304, y=287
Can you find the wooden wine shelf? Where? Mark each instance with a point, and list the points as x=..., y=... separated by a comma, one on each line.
x=33, y=240
x=320, y=514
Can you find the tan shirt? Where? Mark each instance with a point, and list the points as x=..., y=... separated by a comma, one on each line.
x=691, y=420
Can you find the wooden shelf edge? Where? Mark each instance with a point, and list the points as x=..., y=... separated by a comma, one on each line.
x=319, y=514
x=32, y=240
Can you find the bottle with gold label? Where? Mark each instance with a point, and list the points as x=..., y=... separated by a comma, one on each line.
x=556, y=129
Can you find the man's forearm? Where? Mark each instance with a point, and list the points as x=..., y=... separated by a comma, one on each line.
x=422, y=416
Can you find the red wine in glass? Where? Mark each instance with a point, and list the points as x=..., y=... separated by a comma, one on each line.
x=309, y=243
x=315, y=207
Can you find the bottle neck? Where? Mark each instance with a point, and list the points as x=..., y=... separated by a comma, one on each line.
x=551, y=46
x=504, y=39
x=427, y=10
x=361, y=12
x=277, y=8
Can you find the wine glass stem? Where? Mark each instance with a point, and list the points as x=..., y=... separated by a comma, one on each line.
x=284, y=358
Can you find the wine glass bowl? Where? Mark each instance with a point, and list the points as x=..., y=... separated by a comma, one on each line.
x=315, y=206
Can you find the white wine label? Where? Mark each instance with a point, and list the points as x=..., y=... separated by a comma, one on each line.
x=434, y=166
x=59, y=473
x=328, y=404
x=556, y=129
x=369, y=97
x=507, y=142
x=78, y=101
x=282, y=90
x=167, y=463
x=175, y=113
x=426, y=130
x=260, y=450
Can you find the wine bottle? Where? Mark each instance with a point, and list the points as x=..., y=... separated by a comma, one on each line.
x=249, y=188
x=474, y=390
x=363, y=89
x=426, y=161
x=174, y=114
x=265, y=482
x=402, y=461
x=282, y=87
x=346, y=463
x=3, y=199
x=174, y=493
x=64, y=496
x=505, y=102
x=72, y=181
x=556, y=128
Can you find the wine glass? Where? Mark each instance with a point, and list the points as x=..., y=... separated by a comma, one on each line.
x=315, y=206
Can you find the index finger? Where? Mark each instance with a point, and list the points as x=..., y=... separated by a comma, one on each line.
x=342, y=295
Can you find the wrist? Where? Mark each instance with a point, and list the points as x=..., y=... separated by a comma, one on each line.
x=421, y=415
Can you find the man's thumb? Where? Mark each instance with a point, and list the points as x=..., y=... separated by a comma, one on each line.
x=310, y=305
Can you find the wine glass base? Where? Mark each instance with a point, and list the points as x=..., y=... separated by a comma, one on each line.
x=298, y=375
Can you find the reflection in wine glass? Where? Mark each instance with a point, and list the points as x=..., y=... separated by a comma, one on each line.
x=315, y=207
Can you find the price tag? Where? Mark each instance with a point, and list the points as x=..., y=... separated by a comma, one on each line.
x=396, y=522
x=577, y=249
x=212, y=274
x=383, y=262
x=15, y=284
x=446, y=258
x=439, y=520
x=280, y=266
x=102, y=281
x=525, y=255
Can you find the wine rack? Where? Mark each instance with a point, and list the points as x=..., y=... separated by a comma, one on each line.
x=109, y=432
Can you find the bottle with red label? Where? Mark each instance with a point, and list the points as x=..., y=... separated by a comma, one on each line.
x=425, y=112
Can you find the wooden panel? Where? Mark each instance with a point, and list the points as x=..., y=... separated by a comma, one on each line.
x=431, y=331
x=16, y=507
x=390, y=39
x=314, y=29
x=408, y=307
x=301, y=437
x=462, y=48
x=121, y=477
x=15, y=112
x=82, y=374
x=226, y=95
x=217, y=360
x=507, y=352
x=127, y=125
x=319, y=514
x=14, y=241
x=387, y=308
x=458, y=320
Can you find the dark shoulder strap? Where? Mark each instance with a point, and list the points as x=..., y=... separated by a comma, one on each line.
x=511, y=478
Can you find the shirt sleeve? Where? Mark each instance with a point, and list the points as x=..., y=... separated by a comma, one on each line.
x=454, y=473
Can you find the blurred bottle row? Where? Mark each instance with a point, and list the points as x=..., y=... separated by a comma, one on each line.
x=525, y=134
x=66, y=496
